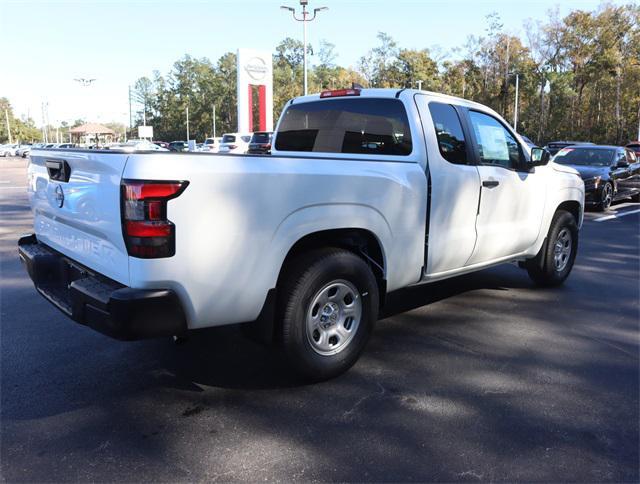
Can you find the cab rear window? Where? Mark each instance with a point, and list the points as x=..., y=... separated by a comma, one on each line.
x=365, y=126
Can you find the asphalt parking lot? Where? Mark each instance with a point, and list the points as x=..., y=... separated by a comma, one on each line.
x=483, y=377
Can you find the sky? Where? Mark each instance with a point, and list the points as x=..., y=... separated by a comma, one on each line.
x=48, y=44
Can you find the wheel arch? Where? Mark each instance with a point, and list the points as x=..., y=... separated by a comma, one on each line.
x=361, y=242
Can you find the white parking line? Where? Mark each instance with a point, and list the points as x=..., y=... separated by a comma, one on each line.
x=617, y=215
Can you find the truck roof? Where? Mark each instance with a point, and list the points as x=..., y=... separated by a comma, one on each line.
x=395, y=93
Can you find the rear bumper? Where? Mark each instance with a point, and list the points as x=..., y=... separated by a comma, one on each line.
x=94, y=300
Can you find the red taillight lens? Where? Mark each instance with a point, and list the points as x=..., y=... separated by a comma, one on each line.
x=147, y=232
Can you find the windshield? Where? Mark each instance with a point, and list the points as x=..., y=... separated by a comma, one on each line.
x=228, y=138
x=584, y=156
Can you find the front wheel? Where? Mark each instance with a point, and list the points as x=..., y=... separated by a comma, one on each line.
x=553, y=264
x=606, y=197
x=328, y=305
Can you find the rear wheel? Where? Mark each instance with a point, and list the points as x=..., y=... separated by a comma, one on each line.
x=553, y=264
x=328, y=305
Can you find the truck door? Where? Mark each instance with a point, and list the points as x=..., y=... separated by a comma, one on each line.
x=512, y=196
x=455, y=186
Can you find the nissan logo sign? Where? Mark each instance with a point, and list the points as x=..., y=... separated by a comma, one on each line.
x=59, y=196
x=256, y=68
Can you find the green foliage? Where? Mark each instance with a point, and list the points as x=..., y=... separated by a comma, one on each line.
x=22, y=130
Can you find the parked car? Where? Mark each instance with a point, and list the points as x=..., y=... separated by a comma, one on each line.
x=66, y=145
x=260, y=143
x=234, y=143
x=634, y=146
x=312, y=238
x=554, y=146
x=212, y=145
x=179, y=146
x=23, y=150
x=137, y=145
x=610, y=173
x=161, y=144
x=8, y=149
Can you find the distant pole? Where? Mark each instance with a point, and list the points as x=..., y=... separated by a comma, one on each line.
x=515, y=109
x=214, y=120
x=638, y=122
x=187, y=124
x=130, y=117
x=6, y=115
x=304, y=44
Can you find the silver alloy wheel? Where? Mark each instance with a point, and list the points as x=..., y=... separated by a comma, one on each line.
x=607, y=195
x=333, y=317
x=562, y=250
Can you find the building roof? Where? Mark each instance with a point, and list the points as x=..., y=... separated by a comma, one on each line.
x=92, y=128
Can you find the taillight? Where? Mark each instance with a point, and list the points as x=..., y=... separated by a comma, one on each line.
x=147, y=232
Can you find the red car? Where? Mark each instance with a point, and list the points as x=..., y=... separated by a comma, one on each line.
x=634, y=146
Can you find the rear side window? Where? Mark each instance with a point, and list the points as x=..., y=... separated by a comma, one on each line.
x=359, y=126
x=449, y=132
x=228, y=138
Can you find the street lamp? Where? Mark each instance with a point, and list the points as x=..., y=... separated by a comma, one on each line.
x=85, y=83
x=304, y=21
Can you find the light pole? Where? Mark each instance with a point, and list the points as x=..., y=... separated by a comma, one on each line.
x=515, y=107
x=304, y=21
x=85, y=83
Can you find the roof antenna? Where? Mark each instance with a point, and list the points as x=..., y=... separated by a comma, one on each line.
x=355, y=85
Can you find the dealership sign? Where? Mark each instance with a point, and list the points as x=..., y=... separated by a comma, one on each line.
x=255, y=83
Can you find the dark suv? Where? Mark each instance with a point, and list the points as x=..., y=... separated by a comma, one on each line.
x=260, y=143
x=178, y=146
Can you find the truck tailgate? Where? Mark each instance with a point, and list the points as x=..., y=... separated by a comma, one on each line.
x=75, y=199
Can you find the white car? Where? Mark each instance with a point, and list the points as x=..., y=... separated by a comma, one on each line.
x=211, y=145
x=8, y=150
x=234, y=143
x=366, y=192
x=136, y=145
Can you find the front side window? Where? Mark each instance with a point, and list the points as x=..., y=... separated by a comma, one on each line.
x=359, y=126
x=496, y=145
x=449, y=132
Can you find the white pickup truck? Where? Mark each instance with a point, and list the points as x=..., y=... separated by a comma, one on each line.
x=366, y=192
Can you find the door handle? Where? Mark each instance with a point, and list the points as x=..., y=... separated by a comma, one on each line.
x=490, y=183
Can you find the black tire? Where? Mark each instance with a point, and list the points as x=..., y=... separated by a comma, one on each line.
x=304, y=280
x=542, y=268
x=605, y=200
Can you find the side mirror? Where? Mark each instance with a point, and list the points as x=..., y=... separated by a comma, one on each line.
x=539, y=156
x=622, y=164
